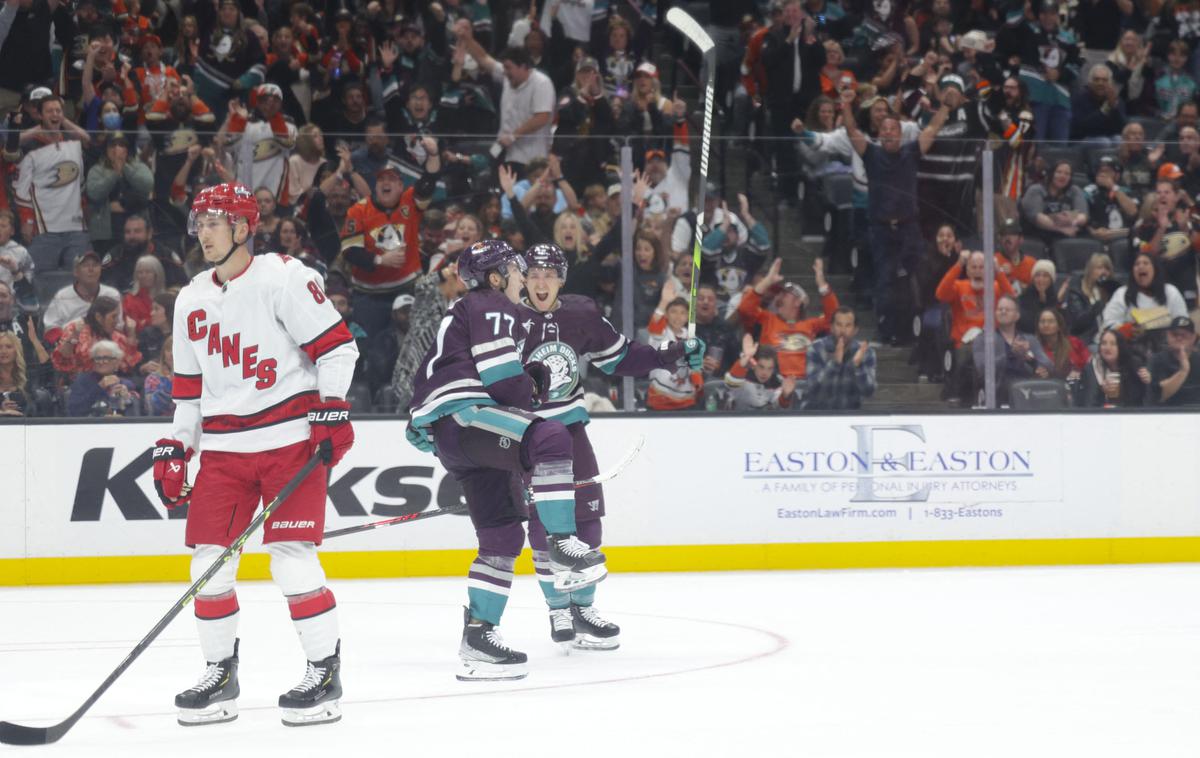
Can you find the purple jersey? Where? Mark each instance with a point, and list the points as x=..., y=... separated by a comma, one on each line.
x=474, y=360
x=572, y=334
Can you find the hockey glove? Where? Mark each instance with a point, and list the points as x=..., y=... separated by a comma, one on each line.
x=419, y=438
x=170, y=472
x=693, y=351
x=330, y=430
x=540, y=375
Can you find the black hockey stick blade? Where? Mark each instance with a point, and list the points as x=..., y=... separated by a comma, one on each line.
x=16, y=734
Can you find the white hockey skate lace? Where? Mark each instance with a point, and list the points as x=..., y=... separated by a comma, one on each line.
x=312, y=678
x=574, y=547
x=210, y=677
x=560, y=619
x=593, y=617
x=494, y=638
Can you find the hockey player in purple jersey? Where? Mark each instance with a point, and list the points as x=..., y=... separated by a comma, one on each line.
x=563, y=333
x=472, y=402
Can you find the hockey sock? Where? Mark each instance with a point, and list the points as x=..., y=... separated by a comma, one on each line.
x=585, y=596
x=216, y=622
x=488, y=585
x=541, y=565
x=553, y=485
x=315, y=616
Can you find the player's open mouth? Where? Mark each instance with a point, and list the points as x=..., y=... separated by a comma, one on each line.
x=541, y=297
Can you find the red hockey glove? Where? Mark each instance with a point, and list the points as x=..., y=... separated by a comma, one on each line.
x=170, y=472
x=332, y=434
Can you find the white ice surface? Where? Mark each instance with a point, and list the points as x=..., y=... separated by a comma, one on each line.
x=1056, y=662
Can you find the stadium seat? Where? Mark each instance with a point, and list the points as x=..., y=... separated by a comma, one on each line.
x=1033, y=247
x=47, y=283
x=1071, y=255
x=1121, y=253
x=1072, y=153
x=1039, y=395
x=1152, y=126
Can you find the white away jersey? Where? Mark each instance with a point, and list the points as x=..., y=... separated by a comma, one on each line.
x=48, y=183
x=253, y=355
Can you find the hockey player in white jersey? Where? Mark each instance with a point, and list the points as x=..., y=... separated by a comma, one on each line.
x=262, y=366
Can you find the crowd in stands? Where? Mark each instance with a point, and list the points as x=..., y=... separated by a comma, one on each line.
x=382, y=138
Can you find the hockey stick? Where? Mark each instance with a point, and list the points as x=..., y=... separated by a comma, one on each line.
x=681, y=20
x=410, y=517
x=15, y=734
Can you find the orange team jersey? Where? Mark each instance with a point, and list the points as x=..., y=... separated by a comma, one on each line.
x=146, y=86
x=790, y=339
x=378, y=230
x=829, y=86
x=966, y=307
x=754, y=77
x=1016, y=272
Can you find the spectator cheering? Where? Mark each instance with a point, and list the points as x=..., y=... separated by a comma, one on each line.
x=786, y=331
x=1175, y=372
x=754, y=381
x=841, y=369
x=1112, y=377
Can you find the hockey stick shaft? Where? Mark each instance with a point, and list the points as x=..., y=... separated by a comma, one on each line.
x=687, y=26
x=15, y=734
x=410, y=517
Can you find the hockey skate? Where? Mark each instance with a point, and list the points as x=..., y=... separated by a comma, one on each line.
x=484, y=656
x=593, y=631
x=315, y=700
x=562, y=627
x=575, y=564
x=214, y=698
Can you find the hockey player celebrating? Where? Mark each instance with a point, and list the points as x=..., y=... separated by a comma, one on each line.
x=562, y=332
x=471, y=404
x=262, y=366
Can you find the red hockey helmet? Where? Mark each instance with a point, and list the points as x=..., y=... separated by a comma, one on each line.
x=232, y=200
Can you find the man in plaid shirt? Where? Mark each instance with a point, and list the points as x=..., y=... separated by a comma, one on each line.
x=841, y=369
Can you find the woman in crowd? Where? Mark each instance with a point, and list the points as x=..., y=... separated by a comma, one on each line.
x=649, y=275
x=466, y=232
x=1038, y=296
x=73, y=354
x=1149, y=291
x=1055, y=208
x=158, y=330
x=99, y=391
x=933, y=337
x=1067, y=354
x=305, y=161
x=149, y=281
x=489, y=216
x=119, y=184
x=1087, y=295
x=294, y=241
x=14, y=383
x=1112, y=377
x=588, y=276
x=156, y=391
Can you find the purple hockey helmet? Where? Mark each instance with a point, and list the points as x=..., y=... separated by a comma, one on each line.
x=479, y=259
x=546, y=255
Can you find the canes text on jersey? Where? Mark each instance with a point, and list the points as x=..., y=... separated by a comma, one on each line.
x=231, y=352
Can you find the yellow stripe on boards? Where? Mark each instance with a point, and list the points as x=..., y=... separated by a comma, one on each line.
x=817, y=555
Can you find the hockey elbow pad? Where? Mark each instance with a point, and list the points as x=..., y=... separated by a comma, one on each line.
x=170, y=472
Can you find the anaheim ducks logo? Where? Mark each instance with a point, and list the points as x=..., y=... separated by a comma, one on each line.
x=563, y=363
x=179, y=141
x=1175, y=244
x=266, y=150
x=794, y=342
x=388, y=237
x=65, y=173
